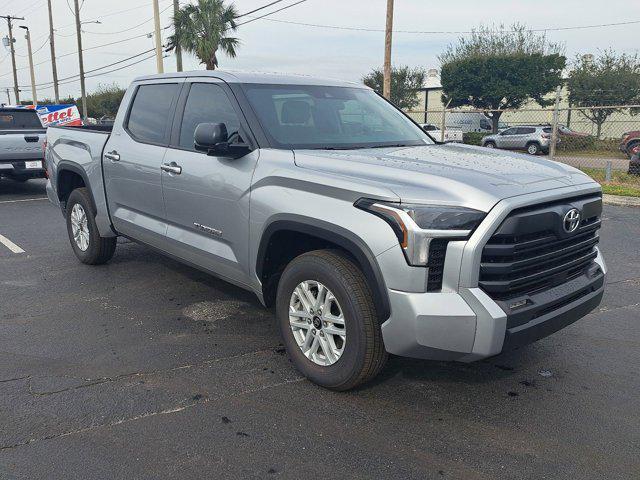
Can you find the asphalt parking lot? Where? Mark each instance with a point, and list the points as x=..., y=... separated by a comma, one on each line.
x=147, y=369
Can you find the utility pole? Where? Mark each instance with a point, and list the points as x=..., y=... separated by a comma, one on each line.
x=554, y=130
x=53, y=55
x=386, y=90
x=156, y=18
x=176, y=7
x=8, y=90
x=16, y=90
x=34, y=95
x=80, y=60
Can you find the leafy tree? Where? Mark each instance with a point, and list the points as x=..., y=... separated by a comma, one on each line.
x=496, y=70
x=405, y=84
x=203, y=29
x=105, y=101
x=608, y=80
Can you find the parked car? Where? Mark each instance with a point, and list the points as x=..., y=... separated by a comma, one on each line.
x=569, y=132
x=534, y=139
x=21, y=139
x=630, y=143
x=366, y=236
x=451, y=134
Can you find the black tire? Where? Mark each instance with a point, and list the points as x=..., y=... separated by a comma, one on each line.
x=100, y=249
x=490, y=145
x=631, y=146
x=364, y=354
x=533, y=148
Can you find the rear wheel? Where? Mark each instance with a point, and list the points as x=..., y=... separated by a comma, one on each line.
x=533, y=149
x=87, y=244
x=490, y=144
x=328, y=320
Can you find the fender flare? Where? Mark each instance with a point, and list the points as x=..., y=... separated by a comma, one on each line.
x=72, y=167
x=339, y=236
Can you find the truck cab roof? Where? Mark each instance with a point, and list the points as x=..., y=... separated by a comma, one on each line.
x=254, y=77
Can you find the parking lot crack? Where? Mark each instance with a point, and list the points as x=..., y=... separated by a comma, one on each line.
x=166, y=411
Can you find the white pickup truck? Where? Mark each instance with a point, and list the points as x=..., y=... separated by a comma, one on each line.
x=451, y=134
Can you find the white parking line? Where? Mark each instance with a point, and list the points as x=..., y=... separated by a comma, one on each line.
x=10, y=245
x=24, y=200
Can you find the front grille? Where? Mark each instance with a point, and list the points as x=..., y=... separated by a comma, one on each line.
x=530, y=252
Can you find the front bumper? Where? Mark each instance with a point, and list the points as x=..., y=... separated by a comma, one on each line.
x=465, y=324
x=469, y=325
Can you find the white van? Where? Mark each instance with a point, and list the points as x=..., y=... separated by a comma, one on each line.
x=471, y=122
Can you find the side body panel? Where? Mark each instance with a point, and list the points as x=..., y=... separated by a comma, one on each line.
x=79, y=151
x=282, y=192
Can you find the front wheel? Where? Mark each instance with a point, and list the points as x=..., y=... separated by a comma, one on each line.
x=328, y=320
x=490, y=145
x=87, y=244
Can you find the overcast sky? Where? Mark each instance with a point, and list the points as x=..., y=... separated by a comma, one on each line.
x=275, y=46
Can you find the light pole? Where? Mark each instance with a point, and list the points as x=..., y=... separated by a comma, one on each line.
x=33, y=75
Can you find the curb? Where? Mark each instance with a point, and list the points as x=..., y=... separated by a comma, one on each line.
x=620, y=200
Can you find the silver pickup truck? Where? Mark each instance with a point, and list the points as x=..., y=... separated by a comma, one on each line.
x=333, y=206
x=21, y=144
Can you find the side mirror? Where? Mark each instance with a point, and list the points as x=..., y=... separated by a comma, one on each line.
x=214, y=139
x=208, y=135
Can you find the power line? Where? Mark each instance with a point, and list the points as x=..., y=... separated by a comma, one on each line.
x=271, y=13
x=85, y=49
x=259, y=8
x=128, y=28
x=96, y=69
x=455, y=32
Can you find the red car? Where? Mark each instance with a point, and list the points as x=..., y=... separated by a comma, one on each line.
x=630, y=143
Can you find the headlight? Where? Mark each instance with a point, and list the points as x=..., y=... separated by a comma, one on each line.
x=416, y=225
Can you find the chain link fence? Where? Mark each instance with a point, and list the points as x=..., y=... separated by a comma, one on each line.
x=600, y=140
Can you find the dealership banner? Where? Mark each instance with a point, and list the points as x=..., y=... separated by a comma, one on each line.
x=51, y=115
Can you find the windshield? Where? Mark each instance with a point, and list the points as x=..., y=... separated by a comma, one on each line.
x=316, y=117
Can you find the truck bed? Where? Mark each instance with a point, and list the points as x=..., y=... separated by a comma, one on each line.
x=88, y=128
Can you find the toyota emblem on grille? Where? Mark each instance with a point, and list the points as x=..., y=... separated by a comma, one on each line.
x=571, y=220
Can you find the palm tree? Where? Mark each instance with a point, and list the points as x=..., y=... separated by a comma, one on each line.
x=202, y=30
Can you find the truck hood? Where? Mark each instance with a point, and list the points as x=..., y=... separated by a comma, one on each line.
x=448, y=174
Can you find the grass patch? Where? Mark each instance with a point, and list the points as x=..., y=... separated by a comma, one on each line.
x=621, y=182
x=592, y=153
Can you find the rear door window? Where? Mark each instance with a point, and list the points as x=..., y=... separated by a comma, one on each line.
x=526, y=130
x=151, y=112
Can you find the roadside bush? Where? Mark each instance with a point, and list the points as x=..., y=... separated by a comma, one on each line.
x=588, y=144
x=473, y=138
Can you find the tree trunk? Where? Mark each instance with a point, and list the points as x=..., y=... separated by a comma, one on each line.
x=598, y=129
x=495, y=119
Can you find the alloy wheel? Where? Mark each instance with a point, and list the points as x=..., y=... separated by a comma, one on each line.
x=80, y=227
x=317, y=323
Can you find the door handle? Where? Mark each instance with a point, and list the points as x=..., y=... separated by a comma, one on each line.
x=171, y=168
x=113, y=156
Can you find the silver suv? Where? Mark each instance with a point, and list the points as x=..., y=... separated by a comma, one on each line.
x=336, y=209
x=532, y=138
